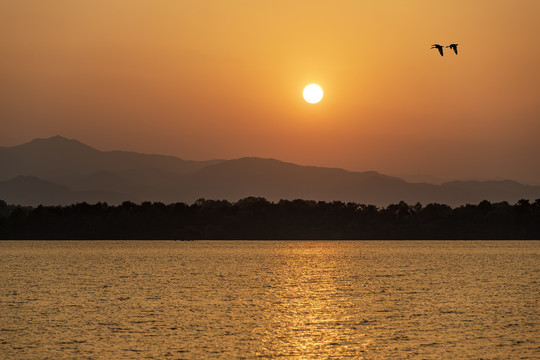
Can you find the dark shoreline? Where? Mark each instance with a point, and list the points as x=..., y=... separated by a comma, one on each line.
x=258, y=219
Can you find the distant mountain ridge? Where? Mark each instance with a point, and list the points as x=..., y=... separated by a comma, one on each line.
x=63, y=171
x=58, y=156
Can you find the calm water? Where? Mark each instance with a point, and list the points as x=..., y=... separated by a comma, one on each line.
x=248, y=300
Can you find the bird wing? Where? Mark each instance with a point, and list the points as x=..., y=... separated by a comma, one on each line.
x=455, y=49
x=440, y=50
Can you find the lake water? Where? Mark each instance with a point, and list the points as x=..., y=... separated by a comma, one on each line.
x=275, y=299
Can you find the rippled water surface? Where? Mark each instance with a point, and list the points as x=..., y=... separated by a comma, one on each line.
x=249, y=299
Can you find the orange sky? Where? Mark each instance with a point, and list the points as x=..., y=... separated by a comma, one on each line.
x=223, y=79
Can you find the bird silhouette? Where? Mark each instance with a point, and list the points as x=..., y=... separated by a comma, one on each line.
x=453, y=47
x=438, y=47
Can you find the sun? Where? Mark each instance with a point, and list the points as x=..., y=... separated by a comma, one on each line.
x=313, y=93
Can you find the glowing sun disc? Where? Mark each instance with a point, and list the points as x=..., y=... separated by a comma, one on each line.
x=313, y=93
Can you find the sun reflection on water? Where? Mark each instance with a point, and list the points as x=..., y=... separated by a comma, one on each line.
x=314, y=311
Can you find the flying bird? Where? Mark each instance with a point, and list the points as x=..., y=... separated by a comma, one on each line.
x=438, y=47
x=453, y=47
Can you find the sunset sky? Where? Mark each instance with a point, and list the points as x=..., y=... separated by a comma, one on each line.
x=224, y=79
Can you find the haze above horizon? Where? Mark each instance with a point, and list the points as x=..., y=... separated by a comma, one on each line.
x=206, y=79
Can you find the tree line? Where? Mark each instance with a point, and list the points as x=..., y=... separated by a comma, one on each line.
x=259, y=219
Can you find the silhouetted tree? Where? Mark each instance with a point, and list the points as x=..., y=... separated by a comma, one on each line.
x=257, y=218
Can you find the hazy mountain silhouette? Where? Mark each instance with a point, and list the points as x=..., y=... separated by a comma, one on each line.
x=422, y=178
x=29, y=190
x=275, y=180
x=61, y=159
x=62, y=171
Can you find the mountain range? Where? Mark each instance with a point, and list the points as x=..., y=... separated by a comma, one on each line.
x=60, y=171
